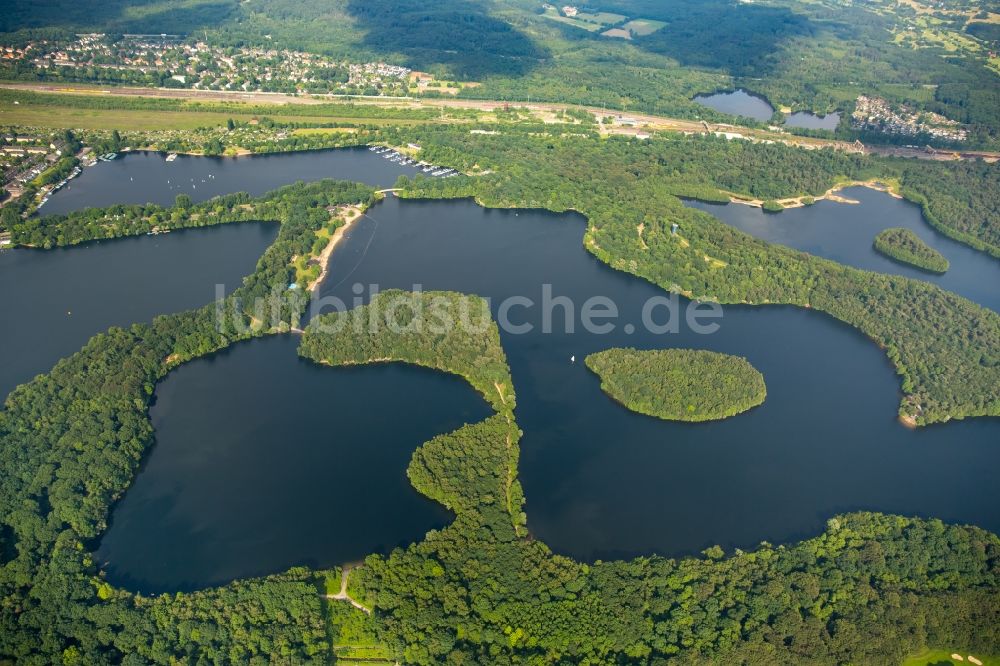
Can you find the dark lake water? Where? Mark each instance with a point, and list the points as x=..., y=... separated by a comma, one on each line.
x=56, y=300
x=744, y=103
x=137, y=178
x=812, y=121
x=261, y=457
x=264, y=460
x=845, y=233
x=738, y=103
x=601, y=481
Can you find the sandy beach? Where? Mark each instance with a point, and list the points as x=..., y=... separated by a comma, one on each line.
x=829, y=195
x=351, y=213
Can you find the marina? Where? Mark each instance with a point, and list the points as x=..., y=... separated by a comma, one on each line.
x=401, y=159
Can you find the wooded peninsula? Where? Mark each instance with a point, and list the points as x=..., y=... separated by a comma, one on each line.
x=870, y=588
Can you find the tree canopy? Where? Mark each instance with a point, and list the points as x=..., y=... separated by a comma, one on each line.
x=679, y=384
x=905, y=246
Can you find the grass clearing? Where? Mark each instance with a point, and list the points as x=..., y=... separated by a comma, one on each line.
x=643, y=27
x=583, y=25
x=604, y=18
x=991, y=17
x=940, y=657
x=31, y=115
x=354, y=637
x=589, y=21
x=617, y=32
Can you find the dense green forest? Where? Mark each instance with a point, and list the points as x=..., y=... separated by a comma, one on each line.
x=476, y=592
x=871, y=588
x=459, y=34
x=679, y=384
x=623, y=185
x=134, y=219
x=134, y=16
x=70, y=444
x=959, y=201
x=454, y=333
x=905, y=246
x=435, y=329
x=741, y=39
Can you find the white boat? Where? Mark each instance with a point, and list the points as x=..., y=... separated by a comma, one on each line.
x=171, y=157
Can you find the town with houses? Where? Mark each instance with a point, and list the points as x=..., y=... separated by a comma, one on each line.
x=170, y=61
x=41, y=163
x=876, y=114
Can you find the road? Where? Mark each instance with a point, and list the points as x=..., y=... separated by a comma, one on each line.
x=642, y=121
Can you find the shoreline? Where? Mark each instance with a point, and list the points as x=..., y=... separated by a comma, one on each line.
x=829, y=195
x=324, y=257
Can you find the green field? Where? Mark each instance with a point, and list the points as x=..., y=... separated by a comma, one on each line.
x=643, y=27
x=604, y=18
x=30, y=115
x=591, y=22
x=943, y=657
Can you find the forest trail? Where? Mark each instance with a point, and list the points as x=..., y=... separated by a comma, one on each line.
x=343, y=595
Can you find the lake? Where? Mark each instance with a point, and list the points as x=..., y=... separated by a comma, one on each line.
x=264, y=460
x=256, y=434
x=846, y=233
x=738, y=103
x=603, y=482
x=808, y=120
x=72, y=294
x=144, y=177
x=56, y=300
x=744, y=103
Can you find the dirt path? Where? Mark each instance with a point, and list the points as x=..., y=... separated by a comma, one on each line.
x=511, y=471
x=343, y=595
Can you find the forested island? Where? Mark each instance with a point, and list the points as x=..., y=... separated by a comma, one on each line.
x=480, y=590
x=679, y=384
x=871, y=588
x=905, y=246
x=630, y=197
x=71, y=442
x=483, y=589
x=629, y=192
